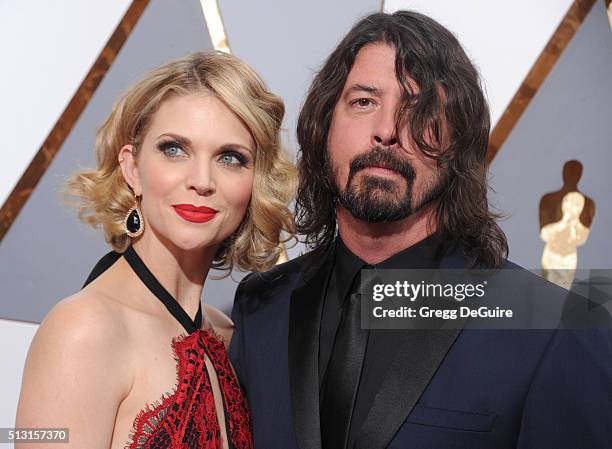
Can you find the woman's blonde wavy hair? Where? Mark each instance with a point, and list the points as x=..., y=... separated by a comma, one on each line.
x=104, y=197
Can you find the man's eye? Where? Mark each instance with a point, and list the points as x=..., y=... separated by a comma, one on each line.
x=363, y=102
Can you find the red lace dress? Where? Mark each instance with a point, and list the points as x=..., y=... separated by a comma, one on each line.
x=187, y=419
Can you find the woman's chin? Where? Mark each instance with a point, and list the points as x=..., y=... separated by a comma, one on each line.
x=183, y=243
x=196, y=246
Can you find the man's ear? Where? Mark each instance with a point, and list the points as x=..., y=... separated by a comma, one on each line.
x=129, y=168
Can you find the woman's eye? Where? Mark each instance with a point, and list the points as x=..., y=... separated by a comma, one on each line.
x=171, y=149
x=174, y=151
x=232, y=159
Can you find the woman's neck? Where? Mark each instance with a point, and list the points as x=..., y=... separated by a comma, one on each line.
x=181, y=272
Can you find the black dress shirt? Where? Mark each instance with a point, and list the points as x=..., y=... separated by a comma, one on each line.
x=424, y=254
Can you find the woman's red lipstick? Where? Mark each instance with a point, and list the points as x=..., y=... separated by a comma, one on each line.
x=195, y=214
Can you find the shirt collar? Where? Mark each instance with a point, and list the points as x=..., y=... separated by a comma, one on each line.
x=346, y=268
x=421, y=255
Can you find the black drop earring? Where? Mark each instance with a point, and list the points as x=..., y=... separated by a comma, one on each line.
x=133, y=224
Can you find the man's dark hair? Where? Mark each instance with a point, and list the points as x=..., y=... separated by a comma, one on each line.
x=449, y=102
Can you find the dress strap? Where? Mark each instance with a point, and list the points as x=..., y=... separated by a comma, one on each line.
x=161, y=293
x=103, y=264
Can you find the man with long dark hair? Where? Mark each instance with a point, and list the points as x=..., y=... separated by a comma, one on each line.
x=393, y=138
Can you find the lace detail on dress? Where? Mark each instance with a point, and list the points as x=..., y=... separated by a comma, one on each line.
x=238, y=412
x=187, y=419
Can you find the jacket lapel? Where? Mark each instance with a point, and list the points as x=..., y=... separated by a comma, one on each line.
x=304, y=324
x=417, y=356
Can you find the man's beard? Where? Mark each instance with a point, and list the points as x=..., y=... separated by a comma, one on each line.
x=377, y=199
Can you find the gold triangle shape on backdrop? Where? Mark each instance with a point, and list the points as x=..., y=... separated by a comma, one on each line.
x=62, y=128
x=214, y=23
x=538, y=73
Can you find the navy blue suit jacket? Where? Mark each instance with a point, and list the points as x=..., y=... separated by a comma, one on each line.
x=446, y=389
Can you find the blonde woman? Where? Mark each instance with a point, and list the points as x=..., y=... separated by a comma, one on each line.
x=190, y=177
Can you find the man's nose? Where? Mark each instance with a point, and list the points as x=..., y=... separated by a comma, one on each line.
x=384, y=132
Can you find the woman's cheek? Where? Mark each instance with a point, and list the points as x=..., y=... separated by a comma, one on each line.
x=241, y=196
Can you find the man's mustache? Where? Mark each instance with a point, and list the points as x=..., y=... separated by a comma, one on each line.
x=385, y=158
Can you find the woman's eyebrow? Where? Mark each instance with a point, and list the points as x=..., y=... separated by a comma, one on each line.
x=187, y=142
x=180, y=139
x=238, y=145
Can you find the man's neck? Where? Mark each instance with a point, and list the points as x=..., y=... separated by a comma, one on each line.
x=376, y=242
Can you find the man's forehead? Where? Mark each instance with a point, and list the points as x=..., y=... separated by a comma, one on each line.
x=374, y=59
x=373, y=71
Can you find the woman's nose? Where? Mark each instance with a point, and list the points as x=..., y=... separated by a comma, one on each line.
x=201, y=179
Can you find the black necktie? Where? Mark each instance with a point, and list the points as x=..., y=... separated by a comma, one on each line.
x=343, y=374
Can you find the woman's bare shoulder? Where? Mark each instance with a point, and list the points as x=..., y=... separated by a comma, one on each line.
x=220, y=322
x=86, y=324
x=76, y=359
x=88, y=315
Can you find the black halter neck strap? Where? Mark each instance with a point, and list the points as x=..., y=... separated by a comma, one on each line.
x=161, y=293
